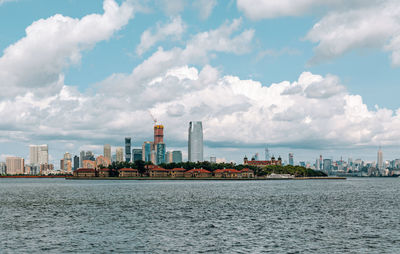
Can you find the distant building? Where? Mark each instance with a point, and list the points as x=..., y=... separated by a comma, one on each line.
x=195, y=142
x=120, y=154
x=38, y=154
x=136, y=155
x=89, y=164
x=102, y=162
x=380, y=160
x=107, y=151
x=158, y=134
x=291, y=161
x=168, y=157
x=177, y=156
x=67, y=163
x=76, y=162
x=62, y=165
x=146, y=151
x=327, y=165
x=3, y=168
x=213, y=159
x=256, y=163
x=302, y=163
x=160, y=153
x=128, y=154
x=15, y=165
x=153, y=157
x=81, y=158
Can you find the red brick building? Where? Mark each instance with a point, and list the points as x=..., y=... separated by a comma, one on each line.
x=198, y=173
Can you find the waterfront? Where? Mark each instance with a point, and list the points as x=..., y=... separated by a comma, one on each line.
x=356, y=215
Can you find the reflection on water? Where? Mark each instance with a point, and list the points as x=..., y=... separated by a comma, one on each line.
x=56, y=215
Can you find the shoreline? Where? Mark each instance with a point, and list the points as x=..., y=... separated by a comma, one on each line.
x=203, y=179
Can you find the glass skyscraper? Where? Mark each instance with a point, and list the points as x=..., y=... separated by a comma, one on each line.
x=195, y=143
x=160, y=153
x=128, y=149
x=136, y=155
x=146, y=151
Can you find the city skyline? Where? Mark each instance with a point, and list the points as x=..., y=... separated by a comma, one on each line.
x=250, y=79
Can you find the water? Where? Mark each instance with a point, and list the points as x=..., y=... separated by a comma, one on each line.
x=60, y=216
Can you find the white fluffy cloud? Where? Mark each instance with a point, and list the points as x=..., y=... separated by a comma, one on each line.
x=205, y=7
x=37, y=61
x=172, y=30
x=376, y=26
x=346, y=24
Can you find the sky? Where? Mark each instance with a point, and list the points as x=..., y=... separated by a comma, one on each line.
x=309, y=77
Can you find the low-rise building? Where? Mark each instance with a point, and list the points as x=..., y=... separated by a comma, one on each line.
x=227, y=173
x=104, y=172
x=128, y=172
x=247, y=173
x=158, y=172
x=85, y=172
x=176, y=172
x=198, y=173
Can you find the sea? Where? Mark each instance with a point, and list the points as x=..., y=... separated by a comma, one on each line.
x=357, y=215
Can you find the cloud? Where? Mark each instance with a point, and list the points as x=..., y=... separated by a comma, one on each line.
x=6, y=1
x=267, y=9
x=205, y=7
x=374, y=26
x=171, y=7
x=345, y=25
x=37, y=61
x=171, y=31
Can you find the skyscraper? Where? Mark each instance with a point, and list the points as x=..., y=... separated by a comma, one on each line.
x=176, y=156
x=158, y=134
x=15, y=165
x=38, y=154
x=107, y=151
x=81, y=158
x=120, y=154
x=67, y=162
x=195, y=142
x=136, y=155
x=291, y=161
x=380, y=160
x=76, y=162
x=146, y=151
x=128, y=154
x=160, y=149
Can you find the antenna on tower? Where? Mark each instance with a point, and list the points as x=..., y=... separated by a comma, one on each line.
x=154, y=119
x=267, y=157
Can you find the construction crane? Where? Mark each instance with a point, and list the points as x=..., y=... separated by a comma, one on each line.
x=154, y=119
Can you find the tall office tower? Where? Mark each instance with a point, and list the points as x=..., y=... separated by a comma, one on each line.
x=67, y=162
x=160, y=148
x=327, y=164
x=168, y=157
x=136, y=154
x=267, y=156
x=3, y=167
x=320, y=162
x=158, y=134
x=213, y=159
x=195, y=142
x=81, y=158
x=33, y=154
x=128, y=154
x=62, y=165
x=76, y=162
x=380, y=159
x=107, y=151
x=89, y=155
x=153, y=157
x=177, y=156
x=120, y=154
x=15, y=165
x=146, y=151
x=291, y=161
x=38, y=154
